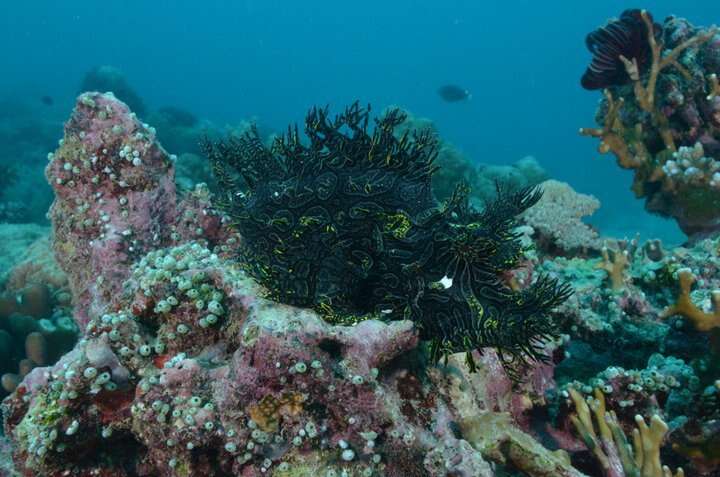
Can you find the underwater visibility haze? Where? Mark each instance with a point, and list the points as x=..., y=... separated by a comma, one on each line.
x=403, y=239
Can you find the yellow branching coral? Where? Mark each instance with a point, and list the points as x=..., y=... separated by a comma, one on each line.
x=610, y=445
x=684, y=306
x=615, y=265
x=612, y=137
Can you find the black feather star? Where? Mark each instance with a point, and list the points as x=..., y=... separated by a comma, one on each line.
x=621, y=40
x=346, y=222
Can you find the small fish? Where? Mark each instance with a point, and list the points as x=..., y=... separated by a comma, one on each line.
x=453, y=93
x=47, y=100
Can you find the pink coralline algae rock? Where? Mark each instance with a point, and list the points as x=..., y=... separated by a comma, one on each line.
x=115, y=199
x=208, y=378
x=185, y=369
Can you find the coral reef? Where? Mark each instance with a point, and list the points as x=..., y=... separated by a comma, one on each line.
x=36, y=326
x=186, y=365
x=455, y=167
x=702, y=320
x=629, y=299
x=348, y=225
x=610, y=445
x=557, y=219
x=184, y=368
x=640, y=330
x=218, y=405
x=7, y=469
x=660, y=113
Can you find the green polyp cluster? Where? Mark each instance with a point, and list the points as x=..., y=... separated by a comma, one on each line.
x=41, y=426
x=346, y=222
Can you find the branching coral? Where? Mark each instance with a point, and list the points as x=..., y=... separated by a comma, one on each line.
x=671, y=103
x=610, y=446
x=684, y=306
x=348, y=224
x=615, y=264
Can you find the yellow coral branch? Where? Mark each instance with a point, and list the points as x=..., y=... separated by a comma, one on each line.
x=582, y=421
x=646, y=93
x=615, y=267
x=684, y=306
x=611, y=135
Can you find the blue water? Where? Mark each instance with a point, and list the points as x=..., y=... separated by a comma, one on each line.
x=228, y=60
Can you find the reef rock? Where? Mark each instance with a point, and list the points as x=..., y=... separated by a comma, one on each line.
x=114, y=200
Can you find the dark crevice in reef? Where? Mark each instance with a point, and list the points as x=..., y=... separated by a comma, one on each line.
x=333, y=348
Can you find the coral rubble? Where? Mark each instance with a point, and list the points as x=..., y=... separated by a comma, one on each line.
x=660, y=113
